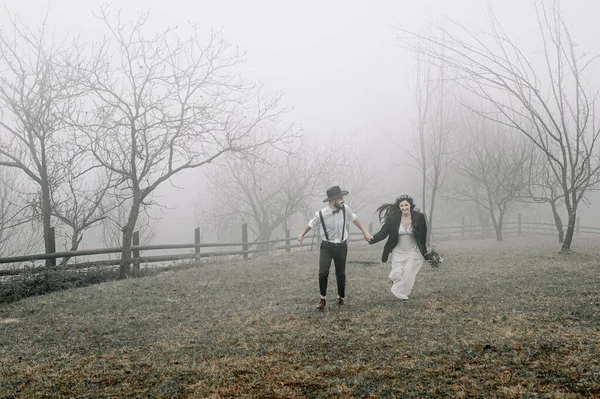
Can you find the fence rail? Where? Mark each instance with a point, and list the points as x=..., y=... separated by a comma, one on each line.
x=519, y=227
x=248, y=247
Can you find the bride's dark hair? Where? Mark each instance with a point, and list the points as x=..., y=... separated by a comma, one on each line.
x=386, y=210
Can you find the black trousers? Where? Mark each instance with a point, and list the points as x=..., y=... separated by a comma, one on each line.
x=337, y=253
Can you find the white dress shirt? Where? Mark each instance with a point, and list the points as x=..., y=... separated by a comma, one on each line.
x=333, y=223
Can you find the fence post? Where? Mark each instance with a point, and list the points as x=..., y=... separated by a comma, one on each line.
x=462, y=223
x=287, y=241
x=52, y=246
x=519, y=223
x=577, y=225
x=245, y=240
x=197, y=239
x=136, y=252
x=371, y=227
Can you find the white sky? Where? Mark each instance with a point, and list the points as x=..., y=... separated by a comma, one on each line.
x=335, y=60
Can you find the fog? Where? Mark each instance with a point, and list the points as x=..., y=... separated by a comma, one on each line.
x=338, y=64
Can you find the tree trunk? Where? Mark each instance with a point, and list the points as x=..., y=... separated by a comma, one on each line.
x=424, y=187
x=566, y=245
x=125, y=264
x=482, y=215
x=46, y=221
x=430, y=216
x=499, y=227
x=75, y=241
x=558, y=223
x=497, y=223
x=429, y=228
x=264, y=235
x=484, y=220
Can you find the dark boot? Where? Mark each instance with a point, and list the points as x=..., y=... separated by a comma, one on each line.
x=321, y=304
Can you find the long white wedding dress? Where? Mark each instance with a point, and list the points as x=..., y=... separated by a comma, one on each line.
x=406, y=263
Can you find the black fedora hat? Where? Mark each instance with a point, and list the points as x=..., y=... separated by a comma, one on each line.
x=334, y=192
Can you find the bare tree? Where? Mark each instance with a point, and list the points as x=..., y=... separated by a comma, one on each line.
x=161, y=105
x=434, y=150
x=542, y=187
x=35, y=94
x=351, y=170
x=273, y=189
x=267, y=189
x=16, y=221
x=6, y=217
x=492, y=167
x=550, y=96
x=81, y=205
x=115, y=214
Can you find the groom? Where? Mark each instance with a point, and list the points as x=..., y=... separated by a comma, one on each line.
x=334, y=241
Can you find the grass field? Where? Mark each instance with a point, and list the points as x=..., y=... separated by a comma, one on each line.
x=496, y=320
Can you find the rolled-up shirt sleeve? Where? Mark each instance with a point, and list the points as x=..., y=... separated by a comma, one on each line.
x=314, y=221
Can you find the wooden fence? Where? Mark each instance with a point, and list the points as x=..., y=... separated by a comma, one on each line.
x=518, y=227
x=246, y=247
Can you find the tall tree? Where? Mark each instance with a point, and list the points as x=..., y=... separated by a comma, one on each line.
x=162, y=104
x=272, y=189
x=17, y=224
x=115, y=214
x=493, y=167
x=80, y=205
x=542, y=187
x=35, y=95
x=268, y=189
x=434, y=149
x=548, y=94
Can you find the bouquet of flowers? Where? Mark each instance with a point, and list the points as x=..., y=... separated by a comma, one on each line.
x=434, y=257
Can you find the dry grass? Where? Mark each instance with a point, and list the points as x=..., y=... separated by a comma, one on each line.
x=497, y=320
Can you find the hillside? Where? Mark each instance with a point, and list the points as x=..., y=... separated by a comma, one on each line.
x=505, y=320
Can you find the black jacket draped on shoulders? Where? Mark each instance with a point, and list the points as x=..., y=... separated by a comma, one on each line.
x=390, y=229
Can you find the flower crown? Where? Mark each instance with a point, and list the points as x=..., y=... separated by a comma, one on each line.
x=404, y=198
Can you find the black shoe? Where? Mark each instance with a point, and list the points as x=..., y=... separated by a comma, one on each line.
x=340, y=301
x=321, y=304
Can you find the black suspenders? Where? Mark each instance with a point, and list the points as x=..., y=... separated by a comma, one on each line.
x=325, y=228
x=343, y=225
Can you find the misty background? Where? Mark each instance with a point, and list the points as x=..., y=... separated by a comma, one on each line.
x=347, y=86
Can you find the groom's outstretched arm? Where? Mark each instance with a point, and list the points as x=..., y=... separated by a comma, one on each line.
x=366, y=234
x=382, y=233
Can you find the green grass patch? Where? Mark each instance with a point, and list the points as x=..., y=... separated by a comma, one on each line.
x=44, y=281
x=496, y=320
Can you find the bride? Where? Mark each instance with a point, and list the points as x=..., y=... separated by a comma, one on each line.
x=406, y=230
